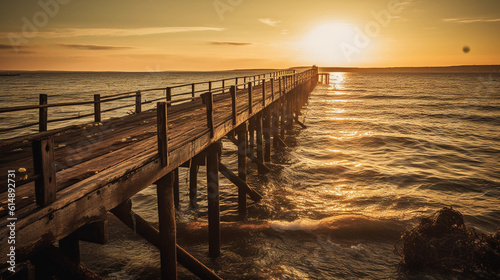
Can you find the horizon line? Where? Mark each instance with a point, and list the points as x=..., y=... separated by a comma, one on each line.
x=260, y=69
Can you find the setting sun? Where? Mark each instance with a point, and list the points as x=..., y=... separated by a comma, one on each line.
x=324, y=43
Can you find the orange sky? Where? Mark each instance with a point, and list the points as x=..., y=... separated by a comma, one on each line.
x=157, y=35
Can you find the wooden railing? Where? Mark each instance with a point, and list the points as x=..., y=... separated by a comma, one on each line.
x=172, y=94
x=43, y=143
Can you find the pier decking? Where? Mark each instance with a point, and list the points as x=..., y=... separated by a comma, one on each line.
x=67, y=179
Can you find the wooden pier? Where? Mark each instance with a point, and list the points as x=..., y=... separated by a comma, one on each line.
x=68, y=179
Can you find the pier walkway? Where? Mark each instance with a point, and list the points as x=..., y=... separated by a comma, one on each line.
x=58, y=185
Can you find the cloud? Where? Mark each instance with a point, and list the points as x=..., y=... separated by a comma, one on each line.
x=270, y=22
x=20, y=49
x=230, y=43
x=113, y=32
x=92, y=47
x=471, y=20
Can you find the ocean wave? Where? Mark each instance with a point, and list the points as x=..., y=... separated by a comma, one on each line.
x=345, y=227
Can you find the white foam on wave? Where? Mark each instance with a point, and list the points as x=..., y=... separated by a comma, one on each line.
x=343, y=226
x=300, y=224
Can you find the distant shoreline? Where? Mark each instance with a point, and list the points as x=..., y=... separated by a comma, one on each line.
x=429, y=69
x=436, y=69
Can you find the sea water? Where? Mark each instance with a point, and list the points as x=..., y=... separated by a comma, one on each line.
x=380, y=151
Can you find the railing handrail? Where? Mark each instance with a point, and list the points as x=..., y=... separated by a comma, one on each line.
x=223, y=88
x=107, y=98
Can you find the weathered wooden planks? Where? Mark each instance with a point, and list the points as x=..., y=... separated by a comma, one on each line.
x=109, y=170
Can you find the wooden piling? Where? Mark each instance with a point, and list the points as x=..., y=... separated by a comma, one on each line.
x=267, y=134
x=193, y=184
x=282, y=117
x=166, y=217
x=260, y=150
x=242, y=166
x=275, y=124
x=251, y=134
x=175, y=173
x=214, y=231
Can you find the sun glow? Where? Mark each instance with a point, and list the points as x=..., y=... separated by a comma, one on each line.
x=323, y=44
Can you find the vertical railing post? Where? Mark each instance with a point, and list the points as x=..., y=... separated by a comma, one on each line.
x=279, y=80
x=192, y=91
x=208, y=100
x=263, y=93
x=233, y=103
x=45, y=171
x=97, y=108
x=250, y=103
x=244, y=82
x=138, y=102
x=162, y=129
x=169, y=96
x=272, y=88
x=42, y=114
x=223, y=86
x=210, y=86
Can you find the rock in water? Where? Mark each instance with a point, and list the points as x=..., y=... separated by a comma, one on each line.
x=443, y=243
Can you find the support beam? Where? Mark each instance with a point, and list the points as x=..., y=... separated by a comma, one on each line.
x=243, y=187
x=299, y=122
x=135, y=222
x=166, y=217
x=214, y=231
